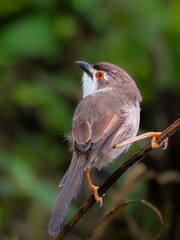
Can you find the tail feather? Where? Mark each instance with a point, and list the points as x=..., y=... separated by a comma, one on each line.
x=70, y=186
x=67, y=174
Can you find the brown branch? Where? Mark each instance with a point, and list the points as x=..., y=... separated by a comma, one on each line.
x=114, y=177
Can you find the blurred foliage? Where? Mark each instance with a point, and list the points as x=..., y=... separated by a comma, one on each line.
x=40, y=88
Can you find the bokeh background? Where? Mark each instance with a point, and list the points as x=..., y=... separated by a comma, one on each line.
x=40, y=86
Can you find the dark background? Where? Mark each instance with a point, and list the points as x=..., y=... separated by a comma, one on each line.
x=40, y=86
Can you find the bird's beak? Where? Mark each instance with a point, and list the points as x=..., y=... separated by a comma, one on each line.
x=86, y=67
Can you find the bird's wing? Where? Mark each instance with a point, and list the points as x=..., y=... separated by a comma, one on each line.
x=119, y=134
x=96, y=134
x=81, y=132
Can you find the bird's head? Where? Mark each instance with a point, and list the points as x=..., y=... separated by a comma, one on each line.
x=105, y=76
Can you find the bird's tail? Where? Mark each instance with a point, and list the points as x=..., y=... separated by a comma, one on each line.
x=70, y=185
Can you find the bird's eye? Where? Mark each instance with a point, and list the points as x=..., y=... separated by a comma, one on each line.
x=100, y=75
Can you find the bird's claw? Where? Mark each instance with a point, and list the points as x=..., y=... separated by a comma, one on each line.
x=165, y=143
x=154, y=143
x=94, y=191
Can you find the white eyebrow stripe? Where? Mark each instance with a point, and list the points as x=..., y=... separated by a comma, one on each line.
x=106, y=76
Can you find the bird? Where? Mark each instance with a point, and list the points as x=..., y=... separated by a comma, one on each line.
x=104, y=125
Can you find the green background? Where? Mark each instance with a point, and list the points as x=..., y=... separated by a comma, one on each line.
x=40, y=86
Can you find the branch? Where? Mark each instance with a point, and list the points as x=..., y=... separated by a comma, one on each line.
x=114, y=177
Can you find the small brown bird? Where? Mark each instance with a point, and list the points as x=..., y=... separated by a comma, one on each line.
x=104, y=125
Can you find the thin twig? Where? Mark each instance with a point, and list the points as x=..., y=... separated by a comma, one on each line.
x=114, y=177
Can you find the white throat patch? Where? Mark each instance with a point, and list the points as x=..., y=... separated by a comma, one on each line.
x=89, y=85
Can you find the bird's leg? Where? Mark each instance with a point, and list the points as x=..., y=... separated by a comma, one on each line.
x=93, y=189
x=152, y=135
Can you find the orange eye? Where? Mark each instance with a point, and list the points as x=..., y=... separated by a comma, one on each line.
x=100, y=75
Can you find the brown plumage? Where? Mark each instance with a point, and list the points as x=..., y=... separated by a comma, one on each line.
x=107, y=115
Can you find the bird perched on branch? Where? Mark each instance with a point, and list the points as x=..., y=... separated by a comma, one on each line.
x=104, y=125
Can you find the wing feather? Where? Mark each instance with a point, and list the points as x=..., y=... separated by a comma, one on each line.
x=81, y=132
x=94, y=135
x=103, y=128
x=116, y=137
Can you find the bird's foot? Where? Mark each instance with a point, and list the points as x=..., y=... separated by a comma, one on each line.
x=153, y=137
x=94, y=191
x=154, y=143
